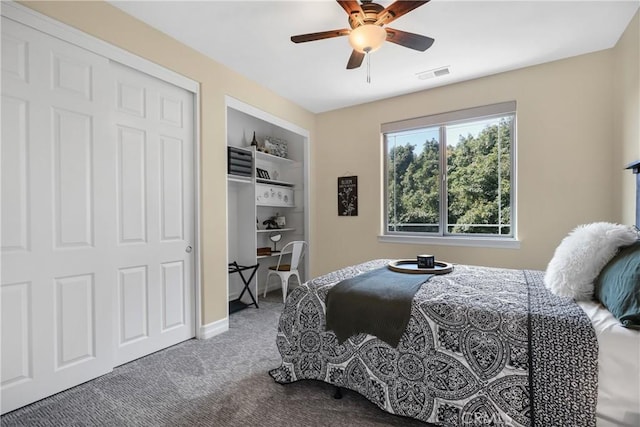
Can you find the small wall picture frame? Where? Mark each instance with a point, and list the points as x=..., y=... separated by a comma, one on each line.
x=348, y=196
x=263, y=174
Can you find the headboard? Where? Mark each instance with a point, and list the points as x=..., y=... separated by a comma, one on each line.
x=635, y=168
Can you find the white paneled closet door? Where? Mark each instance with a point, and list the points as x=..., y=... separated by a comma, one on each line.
x=56, y=194
x=154, y=128
x=97, y=215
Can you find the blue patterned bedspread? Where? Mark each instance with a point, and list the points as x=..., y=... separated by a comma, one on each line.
x=484, y=346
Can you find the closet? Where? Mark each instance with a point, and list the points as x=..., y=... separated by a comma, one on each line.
x=98, y=210
x=275, y=188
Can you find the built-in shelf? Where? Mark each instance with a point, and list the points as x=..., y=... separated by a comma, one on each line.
x=271, y=158
x=275, y=229
x=275, y=205
x=240, y=179
x=275, y=182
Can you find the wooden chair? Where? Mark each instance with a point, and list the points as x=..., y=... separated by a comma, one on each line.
x=285, y=271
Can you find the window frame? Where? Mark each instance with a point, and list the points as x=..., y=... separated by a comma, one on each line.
x=442, y=120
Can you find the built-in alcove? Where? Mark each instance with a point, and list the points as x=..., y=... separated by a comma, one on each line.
x=254, y=199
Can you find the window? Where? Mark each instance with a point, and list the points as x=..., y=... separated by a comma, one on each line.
x=451, y=174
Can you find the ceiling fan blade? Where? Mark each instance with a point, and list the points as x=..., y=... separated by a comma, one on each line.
x=410, y=40
x=355, y=60
x=350, y=6
x=302, y=38
x=353, y=9
x=397, y=9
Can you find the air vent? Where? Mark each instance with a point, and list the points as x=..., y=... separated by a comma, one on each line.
x=436, y=72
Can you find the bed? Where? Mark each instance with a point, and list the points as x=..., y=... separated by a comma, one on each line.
x=483, y=346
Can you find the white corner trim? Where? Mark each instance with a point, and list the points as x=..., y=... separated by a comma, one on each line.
x=236, y=104
x=212, y=329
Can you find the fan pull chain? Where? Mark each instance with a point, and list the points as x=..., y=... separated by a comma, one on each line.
x=369, y=67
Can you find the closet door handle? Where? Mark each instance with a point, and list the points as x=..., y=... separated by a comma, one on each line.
x=188, y=249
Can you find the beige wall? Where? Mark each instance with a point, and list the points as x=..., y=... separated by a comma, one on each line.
x=574, y=132
x=564, y=161
x=110, y=24
x=626, y=130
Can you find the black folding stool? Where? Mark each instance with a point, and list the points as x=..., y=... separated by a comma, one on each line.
x=237, y=304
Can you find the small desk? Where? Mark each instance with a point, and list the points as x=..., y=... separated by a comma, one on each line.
x=237, y=304
x=274, y=254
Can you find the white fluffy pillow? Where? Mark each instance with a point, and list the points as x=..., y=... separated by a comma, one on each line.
x=581, y=255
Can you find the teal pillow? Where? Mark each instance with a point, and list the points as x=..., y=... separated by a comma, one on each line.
x=618, y=286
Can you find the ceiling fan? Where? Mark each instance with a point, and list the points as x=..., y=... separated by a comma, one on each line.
x=367, y=33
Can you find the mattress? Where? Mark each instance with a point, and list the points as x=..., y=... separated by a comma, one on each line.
x=618, y=369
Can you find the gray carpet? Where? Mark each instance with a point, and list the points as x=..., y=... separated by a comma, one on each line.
x=222, y=381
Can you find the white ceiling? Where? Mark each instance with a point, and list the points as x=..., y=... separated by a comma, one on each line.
x=472, y=38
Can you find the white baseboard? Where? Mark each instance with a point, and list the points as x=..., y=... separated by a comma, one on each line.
x=214, y=328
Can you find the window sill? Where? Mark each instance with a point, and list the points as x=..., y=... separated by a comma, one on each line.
x=479, y=242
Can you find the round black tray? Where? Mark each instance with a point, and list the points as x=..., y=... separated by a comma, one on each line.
x=410, y=266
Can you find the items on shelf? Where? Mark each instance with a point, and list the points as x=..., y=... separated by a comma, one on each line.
x=239, y=162
x=263, y=174
x=275, y=238
x=270, y=224
x=275, y=222
x=266, y=251
x=274, y=195
x=254, y=141
x=275, y=146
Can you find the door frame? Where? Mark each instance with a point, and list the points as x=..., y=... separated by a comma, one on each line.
x=52, y=27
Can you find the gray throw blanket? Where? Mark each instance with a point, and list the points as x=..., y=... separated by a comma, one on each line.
x=377, y=302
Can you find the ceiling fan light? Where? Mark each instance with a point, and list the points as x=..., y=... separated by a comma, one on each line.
x=367, y=38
